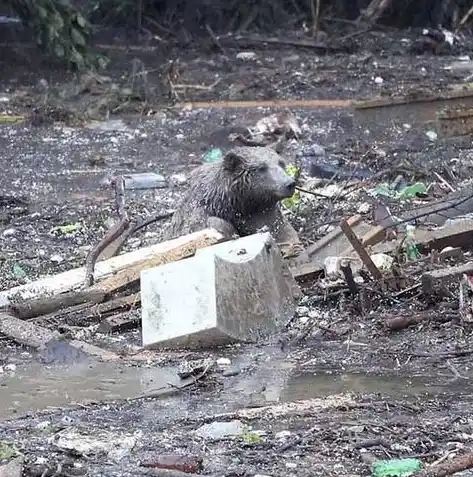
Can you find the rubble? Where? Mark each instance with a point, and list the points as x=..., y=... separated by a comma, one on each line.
x=371, y=356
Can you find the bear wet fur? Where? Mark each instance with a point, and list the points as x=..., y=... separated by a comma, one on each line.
x=239, y=194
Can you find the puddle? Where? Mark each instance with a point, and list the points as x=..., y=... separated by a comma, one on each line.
x=38, y=387
x=321, y=384
x=274, y=379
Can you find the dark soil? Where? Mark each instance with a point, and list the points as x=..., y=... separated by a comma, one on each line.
x=408, y=393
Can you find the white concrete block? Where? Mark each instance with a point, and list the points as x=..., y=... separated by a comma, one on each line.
x=234, y=291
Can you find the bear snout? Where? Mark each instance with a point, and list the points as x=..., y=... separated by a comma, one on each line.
x=291, y=186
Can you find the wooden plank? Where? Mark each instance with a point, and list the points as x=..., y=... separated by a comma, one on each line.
x=25, y=332
x=74, y=279
x=360, y=250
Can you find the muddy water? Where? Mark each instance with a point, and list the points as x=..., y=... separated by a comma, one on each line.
x=317, y=384
x=37, y=387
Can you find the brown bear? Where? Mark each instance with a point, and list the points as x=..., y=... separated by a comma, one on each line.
x=238, y=195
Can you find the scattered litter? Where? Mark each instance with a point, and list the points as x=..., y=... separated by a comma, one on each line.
x=115, y=445
x=144, y=180
x=221, y=430
x=395, y=467
x=213, y=155
x=246, y=55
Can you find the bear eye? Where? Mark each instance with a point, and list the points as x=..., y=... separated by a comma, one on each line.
x=263, y=167
x=282, y=164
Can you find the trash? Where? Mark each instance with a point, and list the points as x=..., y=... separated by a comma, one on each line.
x=8, y=451
x=412, y=191
x=144, y=180
x=293, y=202
x=219, y=307
x=395, y=467
x=18, y=272
x=9, y=119
x=412, y=251
x=109, y=125
x=382, y=261
x=213, y=155
x=276, y=124
x=115, y=445
x=220, y=430
x=246, y=55
x=250, y=437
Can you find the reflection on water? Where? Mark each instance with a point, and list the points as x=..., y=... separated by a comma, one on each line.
x=311, y=385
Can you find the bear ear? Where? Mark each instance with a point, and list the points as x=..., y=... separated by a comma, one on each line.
x=232, y=160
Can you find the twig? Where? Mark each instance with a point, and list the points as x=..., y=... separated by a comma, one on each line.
x=315, y=10
x=196, y=86
x=132, y=230
x=464, y=19
x=215, y=39
x=444, y=182
x=115, y=232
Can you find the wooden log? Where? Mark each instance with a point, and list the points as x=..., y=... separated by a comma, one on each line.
x=37, y=337
x=25, y=332
x=43, y=306
x=73, y=279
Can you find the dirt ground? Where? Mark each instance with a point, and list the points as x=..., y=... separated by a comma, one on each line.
x=348, y=391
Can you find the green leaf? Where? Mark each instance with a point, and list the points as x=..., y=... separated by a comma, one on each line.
x=69, y=228
x=42, y=13
x=57, y=21
x=292, y=170
x=80, y=20
x=77, y=38
x=59, y=50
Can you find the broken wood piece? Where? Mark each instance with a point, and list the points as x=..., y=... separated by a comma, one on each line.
x=431, y=280
x=456, y=233
x=121, y=321
x=275, y=103
x=25, y=332
x=118, y=323
x=455, y=122
x=131, y=275
x=37, y=337
x=43, y=306
x=403, y=321
x=360, y=250
x=331, y=236
x=345, y=268
x=73, y=279
x=450, y=467
x=122, y=303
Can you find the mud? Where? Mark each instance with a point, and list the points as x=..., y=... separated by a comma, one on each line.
x=349, y=387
